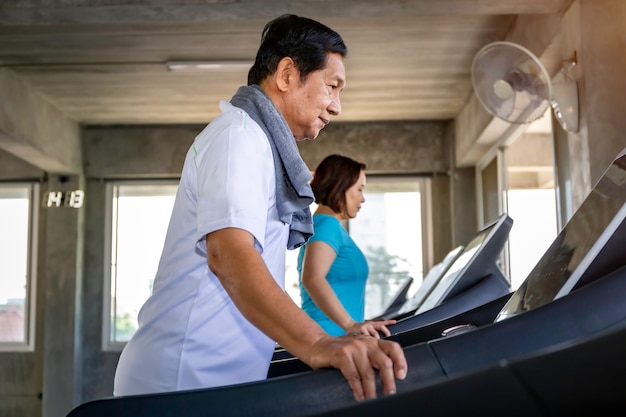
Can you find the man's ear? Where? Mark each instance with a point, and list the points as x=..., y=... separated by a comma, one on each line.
x=286, y=74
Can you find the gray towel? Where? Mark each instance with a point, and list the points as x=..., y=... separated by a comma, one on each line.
x=293, y=192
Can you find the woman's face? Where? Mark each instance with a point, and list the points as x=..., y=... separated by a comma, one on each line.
x=354, y=197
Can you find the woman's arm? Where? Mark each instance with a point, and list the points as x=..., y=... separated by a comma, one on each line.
x=318, y=258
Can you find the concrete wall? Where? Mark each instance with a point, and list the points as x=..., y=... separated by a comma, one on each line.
x=13, y=168
x=596, y=30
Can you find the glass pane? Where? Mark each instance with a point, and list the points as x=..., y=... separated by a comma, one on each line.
x=14, y=219
x=534, y=215
x=490, y=192
x=140, y=224
x=388, y=231
x=531, y=202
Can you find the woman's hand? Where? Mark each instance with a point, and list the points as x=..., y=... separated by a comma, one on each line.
x=370, y=328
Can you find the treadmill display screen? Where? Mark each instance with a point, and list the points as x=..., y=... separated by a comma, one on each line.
x=477, y=260
x=430, y=280
x=582, y=239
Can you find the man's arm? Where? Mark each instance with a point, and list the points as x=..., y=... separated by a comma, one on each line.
x=243, y=274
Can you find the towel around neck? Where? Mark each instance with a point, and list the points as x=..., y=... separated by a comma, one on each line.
x=293, y=192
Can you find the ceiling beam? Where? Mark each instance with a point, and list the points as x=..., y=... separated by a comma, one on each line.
x=35, y=131
x=55, y=12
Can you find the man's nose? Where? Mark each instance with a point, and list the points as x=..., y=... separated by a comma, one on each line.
x=334, y=108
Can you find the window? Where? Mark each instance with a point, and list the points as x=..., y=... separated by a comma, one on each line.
x=388, y=229
x=519, y=179
x=18, y=222
x=491, y=189
x=530, y=201
x=138, y=215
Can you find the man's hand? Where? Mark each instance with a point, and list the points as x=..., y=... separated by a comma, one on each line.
x=244, y=275
x=357, y=357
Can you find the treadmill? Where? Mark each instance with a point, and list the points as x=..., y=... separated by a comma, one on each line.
x=576, y=378
x=582, y=308
x=467, y=278
x=397, y=301
x=472, y=279
x=465, y=357
x=412, y=303
x=589, y=246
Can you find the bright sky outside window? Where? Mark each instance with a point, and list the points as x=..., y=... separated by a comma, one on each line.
x=16, y=283
x=139, y=216
x=388, y=229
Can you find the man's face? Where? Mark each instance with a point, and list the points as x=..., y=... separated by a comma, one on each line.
x=309, y=106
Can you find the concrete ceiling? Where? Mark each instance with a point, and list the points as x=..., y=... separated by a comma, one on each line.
x=103, y=62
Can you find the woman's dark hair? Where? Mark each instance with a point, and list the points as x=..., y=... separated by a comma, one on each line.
x=304, y=40
x=332, y=178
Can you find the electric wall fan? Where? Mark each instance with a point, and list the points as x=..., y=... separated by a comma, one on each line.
x=512, y=84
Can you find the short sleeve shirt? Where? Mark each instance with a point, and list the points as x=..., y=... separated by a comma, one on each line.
x=347, y=275
x=190, y=333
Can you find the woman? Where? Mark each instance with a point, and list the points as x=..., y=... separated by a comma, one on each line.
x=333, y=270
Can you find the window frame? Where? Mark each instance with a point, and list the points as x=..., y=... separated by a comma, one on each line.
x=499, y=155
x=30, y=302
x=424, y=187
x=111, y=194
